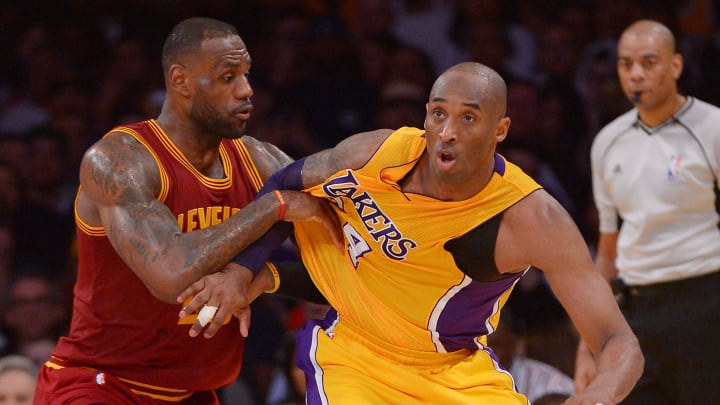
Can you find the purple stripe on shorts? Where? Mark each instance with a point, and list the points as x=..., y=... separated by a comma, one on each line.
x=305, y=357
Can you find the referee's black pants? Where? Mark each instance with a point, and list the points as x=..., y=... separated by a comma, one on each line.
x=678, y=326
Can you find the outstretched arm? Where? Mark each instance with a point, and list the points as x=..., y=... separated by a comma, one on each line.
x=351, y=153
x=562, y=254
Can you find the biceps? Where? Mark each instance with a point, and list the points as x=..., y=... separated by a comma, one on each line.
x=558, y=245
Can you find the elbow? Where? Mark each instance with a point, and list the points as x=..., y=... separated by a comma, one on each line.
x=164, y=294
x=166, y=288
x=638, y=358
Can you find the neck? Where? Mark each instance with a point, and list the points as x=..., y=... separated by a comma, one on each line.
x=421, y=180
x=201, y=150
x=653, y=117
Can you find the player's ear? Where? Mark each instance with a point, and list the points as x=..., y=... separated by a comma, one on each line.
x=179, y=79
x=676, y=64
x=501, y=131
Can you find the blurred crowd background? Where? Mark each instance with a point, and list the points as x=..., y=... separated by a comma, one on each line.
x=322, y=70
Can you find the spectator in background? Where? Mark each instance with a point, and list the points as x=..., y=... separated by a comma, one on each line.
x=282, y=65
x=35, y=310
x=288, y=385
x=26, y=108
x=537, y=168
x=262, y=346
x=43, y=222
x=17, y=380
x=7, y=252
x=9, y=201
x=370, y=23
x=14, y=151
x=487, y=41
x=523, y=106
x=71, y=110
x=412, y=64
x=127, y=86
x=38, y=350
x=347, y=103
x=401, y=103
x=427, y=24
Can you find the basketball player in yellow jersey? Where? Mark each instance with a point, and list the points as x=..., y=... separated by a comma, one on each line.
x=438, y=229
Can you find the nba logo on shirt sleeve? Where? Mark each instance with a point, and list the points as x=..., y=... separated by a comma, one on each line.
x=674, y=167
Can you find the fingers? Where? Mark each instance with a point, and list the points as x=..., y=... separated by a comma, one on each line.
x=195, y=329
x=581, y=382
x=190, y=291
x=206, y=314
x=263, y=281
x=244, y=319
x=332, y=224
x=220, y=318
x=198, y=298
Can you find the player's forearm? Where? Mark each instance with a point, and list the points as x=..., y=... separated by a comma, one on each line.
x=189, y=256
x=619, y=366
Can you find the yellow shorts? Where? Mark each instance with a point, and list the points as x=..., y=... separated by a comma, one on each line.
x=345, y=368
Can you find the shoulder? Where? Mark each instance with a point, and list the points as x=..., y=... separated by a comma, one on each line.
x=356, y=150
x=700, y=115
x=538, y=212
x=537, y=209
x=521, y=223
x=267, y=157
x=119, y=159
x=116, y=147
x=696, y=104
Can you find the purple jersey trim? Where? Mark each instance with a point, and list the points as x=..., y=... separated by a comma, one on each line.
x=465, y=315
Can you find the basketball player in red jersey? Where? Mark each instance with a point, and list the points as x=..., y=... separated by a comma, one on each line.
x=161, y=203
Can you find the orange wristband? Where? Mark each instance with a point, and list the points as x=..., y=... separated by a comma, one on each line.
x=283, y=206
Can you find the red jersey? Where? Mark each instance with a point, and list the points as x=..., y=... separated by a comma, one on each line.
x=117, y=325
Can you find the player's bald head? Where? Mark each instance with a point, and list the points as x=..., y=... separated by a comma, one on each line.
x=484, y=83
x=649, y=28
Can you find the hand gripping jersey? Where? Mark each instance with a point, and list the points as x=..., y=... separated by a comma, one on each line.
x=117, y=326
x=418, y=278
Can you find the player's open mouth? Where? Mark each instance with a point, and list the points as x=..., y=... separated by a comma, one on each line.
x=243, y=116
x=244, y=112
x=445, y=160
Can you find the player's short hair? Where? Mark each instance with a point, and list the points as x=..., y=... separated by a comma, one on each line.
x=188, y=35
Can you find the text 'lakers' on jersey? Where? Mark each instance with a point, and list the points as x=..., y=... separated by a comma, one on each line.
x=398, y=280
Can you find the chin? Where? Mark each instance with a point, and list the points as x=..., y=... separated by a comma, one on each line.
x=235, y=132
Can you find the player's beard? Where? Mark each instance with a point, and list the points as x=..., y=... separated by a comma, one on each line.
x=213, y=122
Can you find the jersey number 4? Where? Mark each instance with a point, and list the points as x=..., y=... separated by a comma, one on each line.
x=357, y=246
